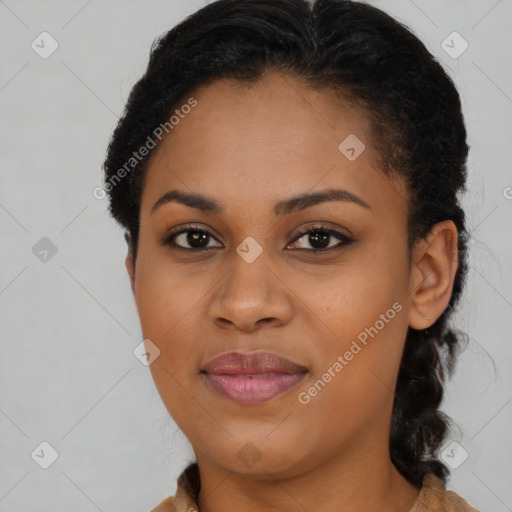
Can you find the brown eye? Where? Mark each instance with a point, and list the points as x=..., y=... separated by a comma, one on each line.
x=190, y=238
x=320, y=238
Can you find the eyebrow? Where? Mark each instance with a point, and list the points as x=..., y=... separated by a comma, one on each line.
x=284, y=207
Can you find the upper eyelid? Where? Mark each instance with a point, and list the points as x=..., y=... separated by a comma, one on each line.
x=320, y=227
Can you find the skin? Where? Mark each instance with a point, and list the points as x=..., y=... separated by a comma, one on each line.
x=249, y=147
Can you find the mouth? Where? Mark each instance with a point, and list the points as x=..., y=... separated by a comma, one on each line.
x=252, y=377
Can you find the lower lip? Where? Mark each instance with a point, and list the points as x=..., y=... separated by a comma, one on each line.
x=253, y=389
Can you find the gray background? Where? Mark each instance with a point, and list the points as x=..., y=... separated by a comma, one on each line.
x=69, y=324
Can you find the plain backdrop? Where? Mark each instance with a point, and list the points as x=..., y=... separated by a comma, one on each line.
x=69, y=326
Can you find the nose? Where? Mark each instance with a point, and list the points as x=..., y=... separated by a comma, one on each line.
x=250, y=296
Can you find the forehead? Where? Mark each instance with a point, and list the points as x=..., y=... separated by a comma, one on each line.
x=271, y=139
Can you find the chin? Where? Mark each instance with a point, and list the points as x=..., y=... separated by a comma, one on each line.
x=259, y=457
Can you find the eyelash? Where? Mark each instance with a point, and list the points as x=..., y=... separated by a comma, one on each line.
x=344, y=239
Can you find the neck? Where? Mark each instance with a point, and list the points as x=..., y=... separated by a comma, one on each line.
x=357, y=481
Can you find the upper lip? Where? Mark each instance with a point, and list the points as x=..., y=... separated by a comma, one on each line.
x=251, y=363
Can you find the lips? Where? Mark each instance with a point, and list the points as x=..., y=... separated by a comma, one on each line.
x=252, y=377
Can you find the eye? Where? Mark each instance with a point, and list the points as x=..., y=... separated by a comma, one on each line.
x=195, y=237
x=320, y=237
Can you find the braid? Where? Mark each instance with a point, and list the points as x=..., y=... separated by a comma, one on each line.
x=418, y=427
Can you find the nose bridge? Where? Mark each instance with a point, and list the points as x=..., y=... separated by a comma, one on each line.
x=250, y=291
x=250, y=279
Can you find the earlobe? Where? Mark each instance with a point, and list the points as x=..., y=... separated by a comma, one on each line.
x=434, y=266
x=130, y=261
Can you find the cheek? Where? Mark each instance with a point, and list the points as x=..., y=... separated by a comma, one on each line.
x=361, y=318
x=352, y=384
x=349, y=298
x=165, y=295
x=169, y=302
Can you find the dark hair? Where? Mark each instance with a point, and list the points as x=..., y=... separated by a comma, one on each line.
x=364, y=55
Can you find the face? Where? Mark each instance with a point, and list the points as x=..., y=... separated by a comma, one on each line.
x=280, y=322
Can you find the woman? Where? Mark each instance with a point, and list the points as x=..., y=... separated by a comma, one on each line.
x=288, y=176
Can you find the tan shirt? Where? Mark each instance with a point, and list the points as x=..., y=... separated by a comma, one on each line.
x=433, y=496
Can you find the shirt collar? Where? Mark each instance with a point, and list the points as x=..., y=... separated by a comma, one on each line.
x=432, y=497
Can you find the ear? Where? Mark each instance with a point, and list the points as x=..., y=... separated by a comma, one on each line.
x=130, y=260
x=434, y=264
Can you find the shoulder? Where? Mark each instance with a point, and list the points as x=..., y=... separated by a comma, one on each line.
x=165, y=506
x=187, y=490
x=456, y=503
x=434, y=497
